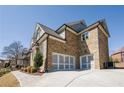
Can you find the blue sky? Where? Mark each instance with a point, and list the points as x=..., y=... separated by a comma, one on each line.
x=17, y=23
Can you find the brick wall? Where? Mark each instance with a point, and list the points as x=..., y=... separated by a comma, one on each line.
x=68, y=48
x=103, y=48
x=117, y=57
x=90, y=46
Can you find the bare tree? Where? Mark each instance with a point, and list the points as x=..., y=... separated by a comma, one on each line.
x=14, y=50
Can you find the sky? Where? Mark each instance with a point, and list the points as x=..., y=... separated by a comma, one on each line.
x=17, y=23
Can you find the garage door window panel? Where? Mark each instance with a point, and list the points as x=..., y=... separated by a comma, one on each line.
x=55, y=61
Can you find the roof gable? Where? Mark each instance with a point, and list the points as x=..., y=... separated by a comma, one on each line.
x=49, y=31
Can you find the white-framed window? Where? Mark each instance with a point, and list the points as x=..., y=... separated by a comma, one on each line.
x=84, y=36
x=62, y=34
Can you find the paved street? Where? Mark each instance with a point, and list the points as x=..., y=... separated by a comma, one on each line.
x=100, y=78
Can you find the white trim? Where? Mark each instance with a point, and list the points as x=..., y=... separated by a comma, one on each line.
x=72, y=31
x=58, y=62
x=41, y=32
x=44, y=37
x=64, y=62
x=100, y=27
x=63, y=41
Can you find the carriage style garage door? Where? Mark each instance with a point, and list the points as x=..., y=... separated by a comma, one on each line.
x=85, y=62
x=63, y=62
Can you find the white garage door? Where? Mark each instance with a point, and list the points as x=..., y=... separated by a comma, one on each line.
x=85, y=62
x=63, y=62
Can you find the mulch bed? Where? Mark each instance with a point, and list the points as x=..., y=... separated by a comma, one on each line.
x=36, y=74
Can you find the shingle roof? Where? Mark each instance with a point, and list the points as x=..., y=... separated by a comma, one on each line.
x=77, y=25
x=119, y=50
x=104, y=24
x=49, y=31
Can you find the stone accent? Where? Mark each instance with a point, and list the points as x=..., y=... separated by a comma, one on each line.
x=68, y=48
x=117, y=57
x=96, y=45
x=90, y=46
x=103, y=48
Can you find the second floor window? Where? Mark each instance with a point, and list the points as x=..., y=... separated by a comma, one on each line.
x=84, y=36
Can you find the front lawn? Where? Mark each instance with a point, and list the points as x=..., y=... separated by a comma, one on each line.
x=9, y=80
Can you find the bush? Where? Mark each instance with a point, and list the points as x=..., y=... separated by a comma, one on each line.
x=29, y=69
x=33, y=70
x=38, y=59
x=4, y=71
x=7, y=65
x=22, y=69
x=25, y=69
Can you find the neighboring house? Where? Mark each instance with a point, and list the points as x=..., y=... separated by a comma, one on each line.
x=118, y=56
x=24, y=60
x=3, y=62
x=72, y=46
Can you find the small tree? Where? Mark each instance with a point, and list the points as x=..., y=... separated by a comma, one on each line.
x=38, y=59
x=110, y=59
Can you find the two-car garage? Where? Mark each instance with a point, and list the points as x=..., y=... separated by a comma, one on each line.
x=67, y=62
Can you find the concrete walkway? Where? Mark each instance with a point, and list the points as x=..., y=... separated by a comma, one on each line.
x=73, y=79
x=26, y=80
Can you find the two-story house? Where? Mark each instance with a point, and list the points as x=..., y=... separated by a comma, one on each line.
x=72, y=46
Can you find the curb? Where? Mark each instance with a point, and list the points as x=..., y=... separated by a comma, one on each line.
x=17, y=79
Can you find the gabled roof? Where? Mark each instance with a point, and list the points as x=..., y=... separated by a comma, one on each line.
x=49, y=31
x=104, y=25
x=120, y=50
x=77, y=25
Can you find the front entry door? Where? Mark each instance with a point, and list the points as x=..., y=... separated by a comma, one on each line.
x=85, y=62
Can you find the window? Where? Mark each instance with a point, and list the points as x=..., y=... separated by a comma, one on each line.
x=84, y=36
x=55, y=62
x=55, y=59
x=62, y=34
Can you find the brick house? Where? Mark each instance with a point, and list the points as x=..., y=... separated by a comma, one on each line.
x=118, y=55
x=72, y=46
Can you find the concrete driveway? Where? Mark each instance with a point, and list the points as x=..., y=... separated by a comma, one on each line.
x=88, y=78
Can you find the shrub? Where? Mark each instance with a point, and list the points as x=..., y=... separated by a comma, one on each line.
x=25, y=69
x=33, y=70
x=29, y=69
x=38, y=59
x=22, y=69
x=4, y=71
x=7, y=65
